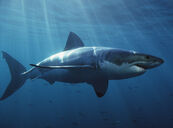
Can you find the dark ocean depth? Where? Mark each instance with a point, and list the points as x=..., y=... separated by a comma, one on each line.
x=31, y=30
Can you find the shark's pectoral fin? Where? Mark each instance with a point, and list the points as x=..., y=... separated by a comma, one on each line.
x=65, y=66
x=100, y=86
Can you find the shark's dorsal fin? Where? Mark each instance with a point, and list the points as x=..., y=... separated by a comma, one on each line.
x=73, y=42
x=100, y=86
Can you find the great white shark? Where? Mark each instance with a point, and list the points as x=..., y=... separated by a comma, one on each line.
x=80, y=64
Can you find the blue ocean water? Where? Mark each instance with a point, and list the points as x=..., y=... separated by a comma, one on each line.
x=31, y=30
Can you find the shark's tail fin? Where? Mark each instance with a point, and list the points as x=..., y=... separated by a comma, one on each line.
x=17, y=79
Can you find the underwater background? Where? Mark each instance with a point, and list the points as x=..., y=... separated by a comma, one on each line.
x=31, y=30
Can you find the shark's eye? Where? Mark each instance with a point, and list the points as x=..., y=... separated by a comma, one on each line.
x=147, y=57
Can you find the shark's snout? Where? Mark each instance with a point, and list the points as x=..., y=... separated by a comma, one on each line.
x=148, y=61
x=161, y=61
x=156, y=62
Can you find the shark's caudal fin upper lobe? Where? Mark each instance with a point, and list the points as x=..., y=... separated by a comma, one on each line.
x=17, y=79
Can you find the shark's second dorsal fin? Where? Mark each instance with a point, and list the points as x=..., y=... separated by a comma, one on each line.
x=73, y=42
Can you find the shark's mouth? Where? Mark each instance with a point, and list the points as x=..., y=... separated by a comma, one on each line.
x=147, y=65
x=141, y=66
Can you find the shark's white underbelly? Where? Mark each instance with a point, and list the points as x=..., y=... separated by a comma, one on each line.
x=115, y=72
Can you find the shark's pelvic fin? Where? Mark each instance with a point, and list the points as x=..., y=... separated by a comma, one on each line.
x=65, y=67
x=73, y=42
x=48, y=80
x=100, y=86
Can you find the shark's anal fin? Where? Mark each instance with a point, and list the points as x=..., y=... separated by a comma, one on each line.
x=65, y=67
x=100, y=86
x=73, y=42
